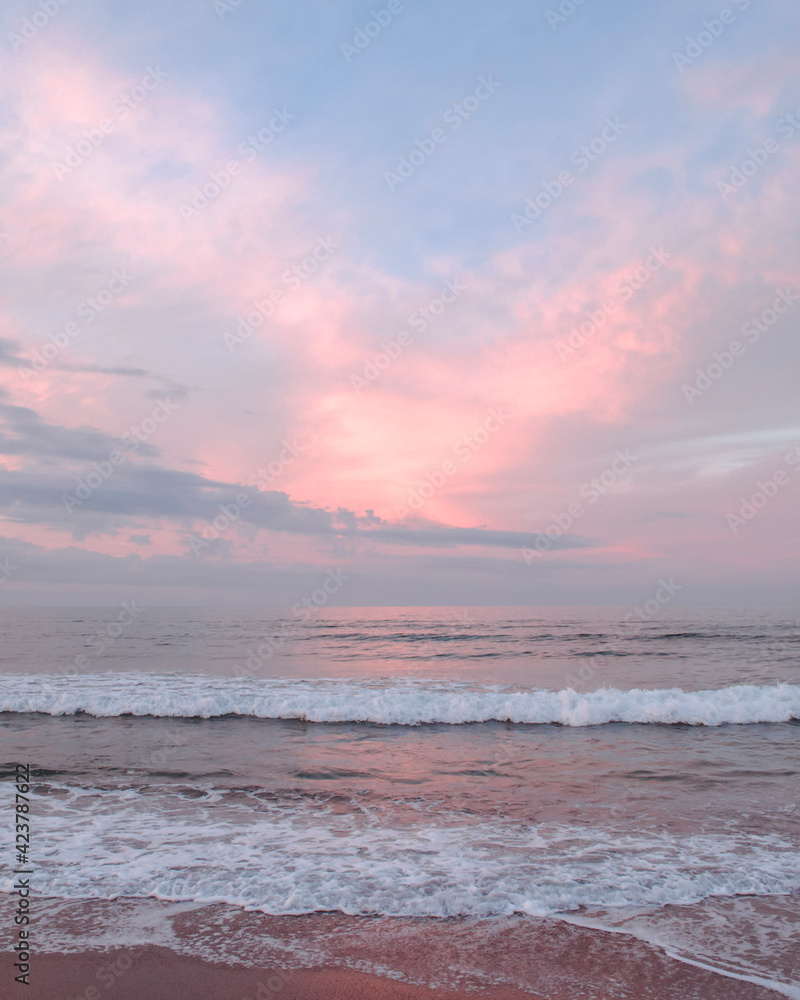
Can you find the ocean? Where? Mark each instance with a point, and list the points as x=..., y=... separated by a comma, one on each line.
x=202, y=776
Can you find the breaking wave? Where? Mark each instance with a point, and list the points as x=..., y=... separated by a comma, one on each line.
x=406, y=702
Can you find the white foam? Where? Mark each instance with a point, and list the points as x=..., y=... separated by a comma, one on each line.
x=294, y=856
x=397, y=701
x=770, y=982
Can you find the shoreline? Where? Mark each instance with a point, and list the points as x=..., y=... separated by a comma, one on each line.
x=219, y=952
x=148, y=971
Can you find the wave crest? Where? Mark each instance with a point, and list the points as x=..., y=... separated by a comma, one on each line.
x=391, y=702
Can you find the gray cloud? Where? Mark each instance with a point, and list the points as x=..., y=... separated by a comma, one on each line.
x=10, y=357
x=25, y=433
x=52, y=489
x=121, y=370
x=441, y=536
x=77, y=576
x=34, y=564
x=152, y=492
x=8, y=353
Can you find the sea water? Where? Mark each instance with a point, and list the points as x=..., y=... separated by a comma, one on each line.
x=479, y=763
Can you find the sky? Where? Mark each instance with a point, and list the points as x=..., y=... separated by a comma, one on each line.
x=457, y=303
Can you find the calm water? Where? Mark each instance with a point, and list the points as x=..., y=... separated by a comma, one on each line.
x=424, y=763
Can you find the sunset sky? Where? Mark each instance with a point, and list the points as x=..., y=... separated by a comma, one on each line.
x=394, y=289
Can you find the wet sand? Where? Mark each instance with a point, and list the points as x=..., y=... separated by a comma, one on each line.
x=398, y=959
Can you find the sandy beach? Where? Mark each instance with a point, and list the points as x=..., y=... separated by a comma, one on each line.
x=334, y=956
x=158, y=972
